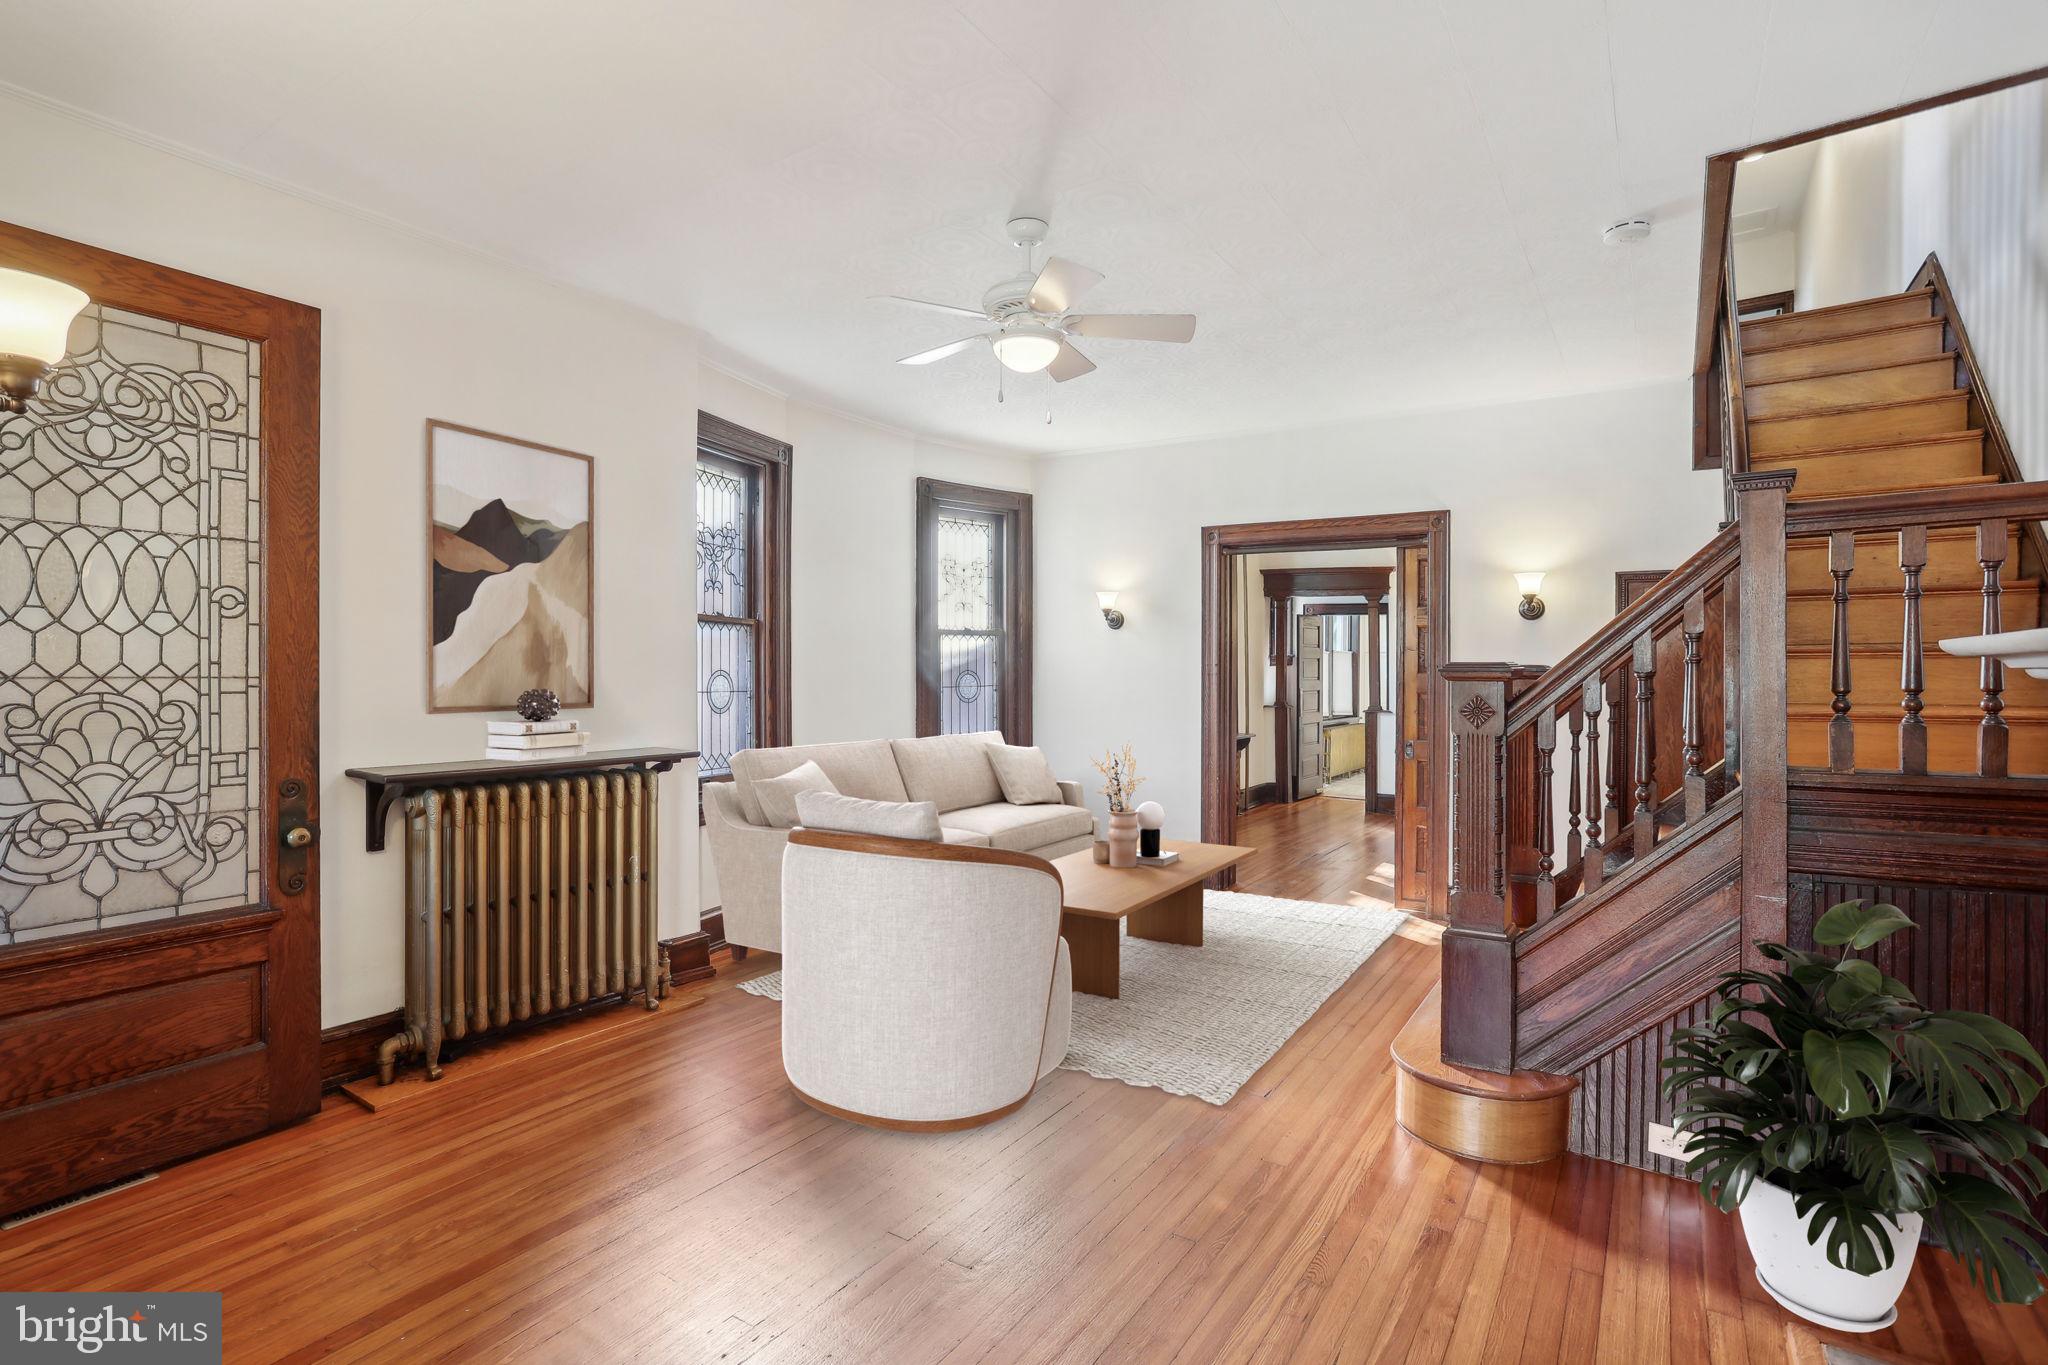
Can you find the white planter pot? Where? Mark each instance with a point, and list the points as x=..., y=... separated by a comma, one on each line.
x=1797, y=1274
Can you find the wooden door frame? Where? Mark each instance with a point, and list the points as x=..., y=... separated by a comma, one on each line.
x=1429, y=530
x=112, y=1126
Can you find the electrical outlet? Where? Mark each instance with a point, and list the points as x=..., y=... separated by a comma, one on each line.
x=1665, y=1141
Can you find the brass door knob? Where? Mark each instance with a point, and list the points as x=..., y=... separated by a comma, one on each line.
x=298, y=836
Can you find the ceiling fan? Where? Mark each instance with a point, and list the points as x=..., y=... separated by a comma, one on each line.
x=1033, y=316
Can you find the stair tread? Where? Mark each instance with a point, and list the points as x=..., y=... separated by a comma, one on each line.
x=1949, y=397
x=1921, y=486
x=2007, y=586
x=1848, y=370
x=1418, y=1050
x=1835, y=309
x=1768, y=348
x=1871, y=448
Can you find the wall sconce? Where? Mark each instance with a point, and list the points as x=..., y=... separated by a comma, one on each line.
x=1107, y=601
x=35, y=327
x=1530, y=585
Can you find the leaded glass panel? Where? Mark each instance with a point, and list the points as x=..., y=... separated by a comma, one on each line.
x=724, y=521
x=725, y=693
x=971, y=636
x=131, y=631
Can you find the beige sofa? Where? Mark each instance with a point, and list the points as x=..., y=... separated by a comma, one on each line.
x=950, y=771
x=923, y=987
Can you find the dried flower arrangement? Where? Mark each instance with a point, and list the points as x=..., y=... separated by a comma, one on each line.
x=1121, y=770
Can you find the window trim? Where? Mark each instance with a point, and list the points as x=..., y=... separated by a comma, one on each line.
x=1014, y=712
x=768, y=571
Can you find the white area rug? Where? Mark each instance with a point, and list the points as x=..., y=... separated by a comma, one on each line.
x=1350, y=788
x=1201, y=1021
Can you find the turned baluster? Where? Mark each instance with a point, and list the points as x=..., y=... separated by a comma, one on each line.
x=1992, y=737
x=1546, y=745
x=1617, y=752
x=1645, y=668
x=1694, y=708
x=1592, y=696
x=1574, y=719
x=1912, y=667
x=1841, y=731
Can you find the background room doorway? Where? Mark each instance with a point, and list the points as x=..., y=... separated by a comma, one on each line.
x=1319, y=703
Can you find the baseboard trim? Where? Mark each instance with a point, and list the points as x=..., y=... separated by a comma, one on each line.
x=712, y=922
x=689, y=957
x=1261, y=794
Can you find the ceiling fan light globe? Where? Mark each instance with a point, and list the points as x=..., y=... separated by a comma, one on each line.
x=1027, y=350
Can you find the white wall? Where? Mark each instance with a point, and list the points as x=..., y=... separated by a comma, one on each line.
x=853, y=544
x=1766, y=263
x=1849, y=229
x=1578, y=487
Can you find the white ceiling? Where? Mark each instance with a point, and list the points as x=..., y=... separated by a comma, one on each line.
x=1373, y=205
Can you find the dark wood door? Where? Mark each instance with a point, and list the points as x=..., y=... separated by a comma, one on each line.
x=1308, y=706
x=1411, y=795
x=159, y=666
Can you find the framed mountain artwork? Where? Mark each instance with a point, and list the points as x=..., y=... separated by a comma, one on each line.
x=509, y=565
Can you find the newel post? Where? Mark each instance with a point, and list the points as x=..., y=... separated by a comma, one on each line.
x=1478, y=953
x=1760, y=496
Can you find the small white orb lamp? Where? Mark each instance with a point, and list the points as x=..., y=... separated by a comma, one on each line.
x=1151, y=816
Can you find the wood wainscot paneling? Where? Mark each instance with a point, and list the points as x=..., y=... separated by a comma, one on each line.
x=1965, y=858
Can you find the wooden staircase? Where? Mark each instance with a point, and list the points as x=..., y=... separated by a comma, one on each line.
x=1872, y=398
x=1770, y=728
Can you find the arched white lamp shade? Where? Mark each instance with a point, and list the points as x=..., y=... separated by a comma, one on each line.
x=1151, y=815
x=35, y=328
x=1027, y=348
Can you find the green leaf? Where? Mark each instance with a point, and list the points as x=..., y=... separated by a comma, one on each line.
x=1991, y=1233
x=1857, y=925
x=1857, y=1237
x=1724, y=1166
x=1895, y=1164
x=1850, y=1073
x=1794, y=1146
x=1854, y=982
x=1963, y=1066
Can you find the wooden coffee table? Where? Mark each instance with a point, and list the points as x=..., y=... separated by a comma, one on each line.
x=1161, y=903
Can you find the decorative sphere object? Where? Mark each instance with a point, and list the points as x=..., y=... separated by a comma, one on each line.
x=1151, y=815
x=537, y=703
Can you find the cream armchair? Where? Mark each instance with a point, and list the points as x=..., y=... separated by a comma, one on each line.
x=925, y=986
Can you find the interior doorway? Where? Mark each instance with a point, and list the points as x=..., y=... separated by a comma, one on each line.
x=1320, y=661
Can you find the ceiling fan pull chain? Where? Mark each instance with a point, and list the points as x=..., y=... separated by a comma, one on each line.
x=999, y=382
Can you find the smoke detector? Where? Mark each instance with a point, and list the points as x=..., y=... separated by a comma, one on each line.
x=1627, y=232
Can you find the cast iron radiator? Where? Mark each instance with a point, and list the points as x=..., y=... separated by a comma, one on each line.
x=525, y=899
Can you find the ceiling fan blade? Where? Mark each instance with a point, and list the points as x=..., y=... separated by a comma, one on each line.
x=1068, y=364
x=1134, y=326
x=941, y=352
x=927, y=303
x=1060, y=284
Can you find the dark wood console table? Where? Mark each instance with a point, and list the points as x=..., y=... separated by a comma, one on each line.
x=385, y=787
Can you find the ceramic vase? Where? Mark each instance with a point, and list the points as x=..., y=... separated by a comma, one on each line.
x=1799, y=1277
x=1123, y=838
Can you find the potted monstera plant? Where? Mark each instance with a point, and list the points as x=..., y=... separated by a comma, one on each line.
x=1836, y=1113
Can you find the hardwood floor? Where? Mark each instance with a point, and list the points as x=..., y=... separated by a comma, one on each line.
x=1323, y=848
x=654, y=1192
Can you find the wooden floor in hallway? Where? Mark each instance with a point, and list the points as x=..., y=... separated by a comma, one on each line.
x=1322, y=848
x=655, y=1193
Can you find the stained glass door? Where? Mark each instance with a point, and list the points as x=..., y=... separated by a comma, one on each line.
x=159, y=981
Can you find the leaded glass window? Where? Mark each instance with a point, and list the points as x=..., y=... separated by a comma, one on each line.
x=971, y=628
x=131, y=631
x=728, y=626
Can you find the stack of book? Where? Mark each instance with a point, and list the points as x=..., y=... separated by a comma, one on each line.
x=530, y=740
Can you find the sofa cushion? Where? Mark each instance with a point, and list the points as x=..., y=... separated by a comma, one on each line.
x=1022, y=828
x=950, y=771
x=865, y=768
x=778, y=795
x=963, y=836
x=1024, y=775
x=852, y=815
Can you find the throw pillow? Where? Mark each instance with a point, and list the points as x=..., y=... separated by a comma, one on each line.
x=1025, y=776
x=778, y=794
x=852, y=815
